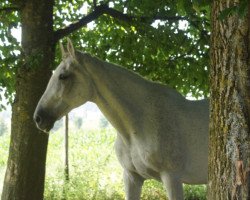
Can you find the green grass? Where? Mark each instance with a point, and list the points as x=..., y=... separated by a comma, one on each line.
x=4, y=149
x=94, y=170
x=95, y=173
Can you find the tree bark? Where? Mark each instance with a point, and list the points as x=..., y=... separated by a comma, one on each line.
x=229, y=151
x=24, y=178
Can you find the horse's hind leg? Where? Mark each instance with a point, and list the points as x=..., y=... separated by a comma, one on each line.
x=133, y=185
x=173, y=186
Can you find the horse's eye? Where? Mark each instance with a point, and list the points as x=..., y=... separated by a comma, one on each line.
x=63, y=76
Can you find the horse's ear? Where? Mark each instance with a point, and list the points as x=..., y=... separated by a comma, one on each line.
x=70, y=48
x=63, y=52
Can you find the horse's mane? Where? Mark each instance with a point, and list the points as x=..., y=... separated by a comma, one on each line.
x=116, y=69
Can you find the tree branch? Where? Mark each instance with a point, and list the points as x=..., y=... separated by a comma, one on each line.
x=95, y=3
x=104, y=9
x=128, y=18
x=79, y=24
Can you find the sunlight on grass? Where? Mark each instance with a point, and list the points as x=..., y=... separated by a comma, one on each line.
x=94, y=170
x=95, y=173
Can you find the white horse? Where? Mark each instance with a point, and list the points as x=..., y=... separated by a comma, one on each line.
x=161, y=135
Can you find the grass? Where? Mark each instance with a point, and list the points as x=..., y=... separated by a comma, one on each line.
x=4, y=151
x=95, y=173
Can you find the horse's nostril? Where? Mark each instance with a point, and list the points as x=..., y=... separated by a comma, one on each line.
x=38, y=119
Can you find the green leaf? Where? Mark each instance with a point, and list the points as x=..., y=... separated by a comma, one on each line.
x=163, y=53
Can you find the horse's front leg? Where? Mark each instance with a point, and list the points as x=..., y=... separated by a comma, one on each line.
x=133, y=185
x=173, y=186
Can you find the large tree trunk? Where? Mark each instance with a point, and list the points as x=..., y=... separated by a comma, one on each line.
x=24, y=178
x=229, y=159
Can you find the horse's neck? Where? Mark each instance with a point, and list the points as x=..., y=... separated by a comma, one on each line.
x=119, y=94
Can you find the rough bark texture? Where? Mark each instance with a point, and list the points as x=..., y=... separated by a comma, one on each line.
x=229, y=159
x=24, y=178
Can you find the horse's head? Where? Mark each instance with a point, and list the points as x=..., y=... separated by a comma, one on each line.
x=68, y=88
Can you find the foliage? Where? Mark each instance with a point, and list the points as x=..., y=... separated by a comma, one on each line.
x=195, y=192
x=166, y=41
x=171, y=51
x=9, y=51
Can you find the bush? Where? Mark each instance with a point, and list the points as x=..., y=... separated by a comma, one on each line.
x=197, y=192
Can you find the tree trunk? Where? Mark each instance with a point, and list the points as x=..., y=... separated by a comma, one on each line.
x=24, y=178
x=229, y=158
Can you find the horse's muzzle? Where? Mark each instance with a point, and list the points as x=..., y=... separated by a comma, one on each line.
x=44, y=121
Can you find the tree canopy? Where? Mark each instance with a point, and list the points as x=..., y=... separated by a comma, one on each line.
x=166, y=41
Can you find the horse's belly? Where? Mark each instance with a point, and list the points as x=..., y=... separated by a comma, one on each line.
x=144, y=167
x=133, y=160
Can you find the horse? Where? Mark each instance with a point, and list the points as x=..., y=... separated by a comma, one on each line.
x=160, y=134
